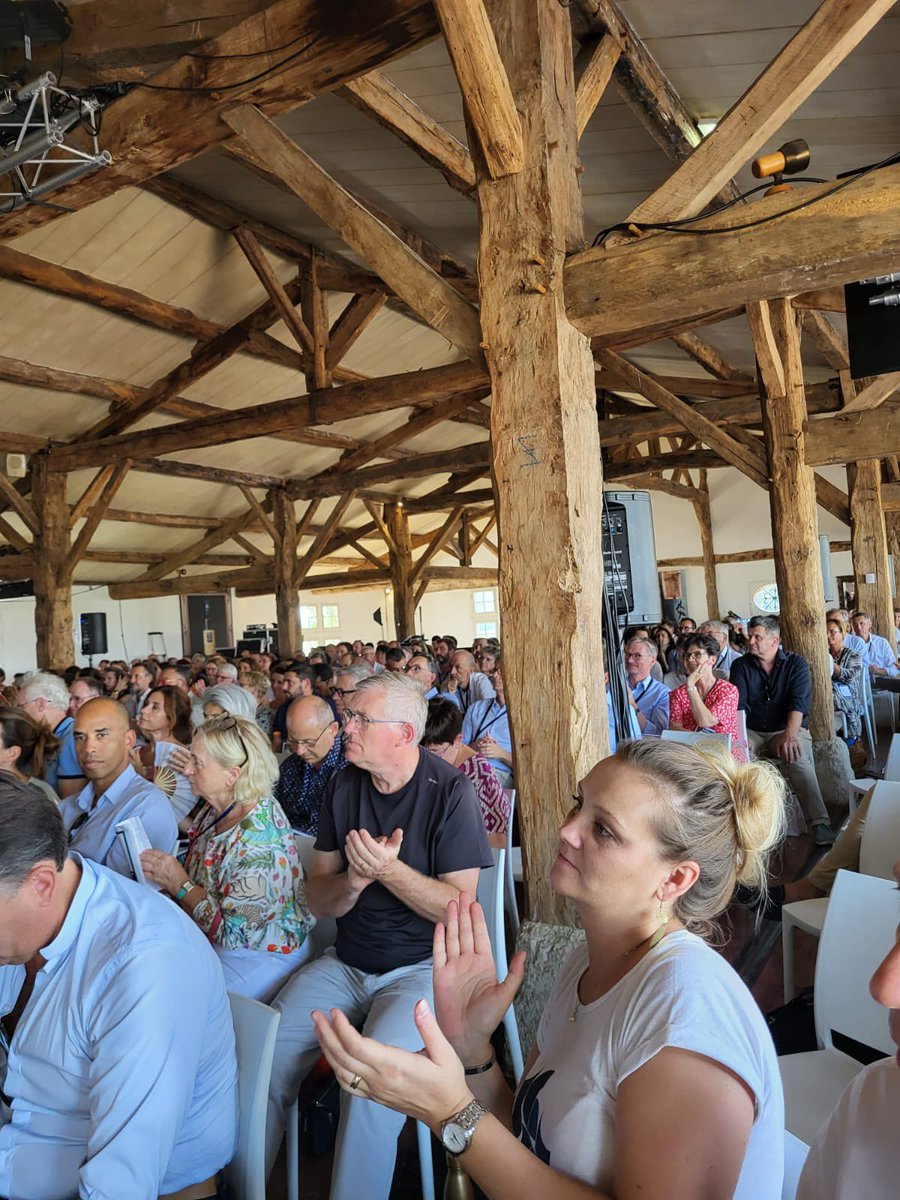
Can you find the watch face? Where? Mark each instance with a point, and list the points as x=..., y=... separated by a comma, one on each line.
x=454, y=1138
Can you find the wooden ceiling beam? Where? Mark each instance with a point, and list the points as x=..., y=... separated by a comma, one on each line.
x=341, y=403
x=652, y=463
x=818, y=48
x=203, y=474
x=147, y=133
x=872, y=393
x=739, y=556
x=385, y=103
x=843, y=439
x=18, y=503
x=434, y=546
x=768, y=355
x=710, y=359
x=275, y=289
x=317, y=549
x=643, y=287
x=356, y=318
x=826, y=339
x=215, y=537
x=426, y=292
x=594, y=66
x=13, y=536
x=656, y=483
x=483, y=81
x=332, y=482
x=90, y=494
x=94, y=517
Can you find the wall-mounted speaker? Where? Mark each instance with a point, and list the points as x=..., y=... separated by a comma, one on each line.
x=93, y=633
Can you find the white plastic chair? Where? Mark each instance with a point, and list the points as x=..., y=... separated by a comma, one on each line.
x=795, y=1153
x=255, y=1029
x=323, y=933
x=696, y=737
x=490, y=897
x=742, y=741
x=859, y=928
x=879, y=849
x=859, y=787
x=509, y=891
x=868, y=709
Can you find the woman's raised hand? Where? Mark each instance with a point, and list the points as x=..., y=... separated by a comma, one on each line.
x=469, y=1002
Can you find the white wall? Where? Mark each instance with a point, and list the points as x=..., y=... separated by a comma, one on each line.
x=128, y=626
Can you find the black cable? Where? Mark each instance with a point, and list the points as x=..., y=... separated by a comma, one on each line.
x=228, y=87
x=248, y=54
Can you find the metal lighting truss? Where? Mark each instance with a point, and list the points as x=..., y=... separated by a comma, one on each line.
x=35, y=157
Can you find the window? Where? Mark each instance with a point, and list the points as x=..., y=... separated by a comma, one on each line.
x=766, y=598
x=331, y=616
x=484, y=602
x=309, y=616
x=486, y=629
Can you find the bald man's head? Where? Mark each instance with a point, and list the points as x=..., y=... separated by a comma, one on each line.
x=311, y=729
x=462, y=664
x=103, y=741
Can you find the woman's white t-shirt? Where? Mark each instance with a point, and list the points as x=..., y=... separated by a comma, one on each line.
x=681, y=994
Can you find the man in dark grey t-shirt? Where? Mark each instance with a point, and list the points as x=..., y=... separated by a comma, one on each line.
x=400, y=836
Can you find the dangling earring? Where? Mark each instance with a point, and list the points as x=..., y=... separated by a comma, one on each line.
x=661, y=931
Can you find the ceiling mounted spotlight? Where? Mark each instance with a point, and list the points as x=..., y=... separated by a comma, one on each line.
x=789, y=159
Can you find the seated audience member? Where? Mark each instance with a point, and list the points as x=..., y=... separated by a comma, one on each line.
x=165, y=724
x=423, y=671
x=642, y=1015
x=257, y=684
x=875, y=651
x=226, y=673
x=703, y=701
x=665, y=643
x=687, y=625
x=104, y=741
x=443, y=647
x=46, y=698
x=649, y=697
x=25, y=747
x=228, y=700
x=120, y=1069
x=178, y=676
x=81, y=690
x=775, y=691
x=394, y=659
x=143, y=677
x=851, y=641
x=316, y=753
x=846, y=678
x=485, y=728
x=718, y=631
x=486, y=658
x=346, y=681
x=465, y=685
x=241, y=882
x=400, y=835
x=677, y=674
x=856, y=1153
x=298, y=681
x=443, y=737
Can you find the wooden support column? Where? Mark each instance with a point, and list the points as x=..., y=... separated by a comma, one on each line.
x=400, y=546
x=704, y=520
x=287, y=596
x=868, y=539
x=792, y=499
x=892, y=523
x=546, y=454
x=52, y=583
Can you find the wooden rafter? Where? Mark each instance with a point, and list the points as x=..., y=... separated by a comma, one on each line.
x=303, y=566
x=89, y=496
x=275, y=289
x=13, y=536
x=18, y=503
x=264, y=518
x=594, y=66
x=768, y=357
x=215, y=537
x=480, y=538
x=94, y=517
x=329, y=483
x=873, y=393
x=482, y=77
x=359, y=313
x=826, y=339
x=843, y=439
x=438, y=540
x=436, y=302
x=709, y=358
x=385, y=103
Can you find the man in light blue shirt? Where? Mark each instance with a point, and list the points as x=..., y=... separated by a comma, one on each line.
x=649, y=697
x=103, y=741
x=876, y=651
x=118, y=1051
x=424, y=672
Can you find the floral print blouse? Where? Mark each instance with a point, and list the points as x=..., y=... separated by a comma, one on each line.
x=253, y=881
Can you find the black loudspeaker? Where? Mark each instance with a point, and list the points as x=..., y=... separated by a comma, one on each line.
x=93, y=633
x=872, y=329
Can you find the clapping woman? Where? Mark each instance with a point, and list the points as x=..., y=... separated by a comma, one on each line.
x=241, y=882
x=653, y=1073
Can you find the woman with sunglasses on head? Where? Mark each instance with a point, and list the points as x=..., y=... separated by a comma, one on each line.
x=653, y=1075
x=241, y=881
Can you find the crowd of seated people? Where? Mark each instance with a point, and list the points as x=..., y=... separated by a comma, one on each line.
x=397, y=762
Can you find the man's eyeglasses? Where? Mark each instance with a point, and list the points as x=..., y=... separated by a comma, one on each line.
x=363, y=721
x=343, y=692
x=295, y=744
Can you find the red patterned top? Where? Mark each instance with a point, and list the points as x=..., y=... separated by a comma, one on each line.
x=722, y=702
x=495, y=805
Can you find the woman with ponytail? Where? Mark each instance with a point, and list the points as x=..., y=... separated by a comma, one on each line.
x=653, y=1075
x=24, y=748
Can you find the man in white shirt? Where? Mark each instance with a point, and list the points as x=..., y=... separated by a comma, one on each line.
x=856, y=1153
x=876, y=651
x=103, y=742
x=117, y=1055
x=719, y=631
x=466, y=684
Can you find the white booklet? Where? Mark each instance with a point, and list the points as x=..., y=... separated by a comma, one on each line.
x=134, y=838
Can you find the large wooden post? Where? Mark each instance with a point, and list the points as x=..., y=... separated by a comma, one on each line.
x=52, y=579
x=396, y=519
x=792, y=499
x=868, y=540
x=703, y=513
x=892, y=526
x=287, y=595
x=545, y=443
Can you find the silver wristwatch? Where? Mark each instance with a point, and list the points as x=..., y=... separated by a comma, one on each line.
x=456, y=1131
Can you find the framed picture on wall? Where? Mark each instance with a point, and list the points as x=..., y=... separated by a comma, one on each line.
x=846, y=592
x=671, y=585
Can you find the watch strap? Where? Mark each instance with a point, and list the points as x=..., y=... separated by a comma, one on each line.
x=467, y=1120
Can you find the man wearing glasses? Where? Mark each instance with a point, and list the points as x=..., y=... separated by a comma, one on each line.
x=423, y=671
x=400, y=836
x=316, y=752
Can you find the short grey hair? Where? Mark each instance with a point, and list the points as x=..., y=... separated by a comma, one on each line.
x=31, y=831
x=41, y=685
x=357, y=673
x=236, y=701
x=229, y=670
x=718, y=626
x=403, y=700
